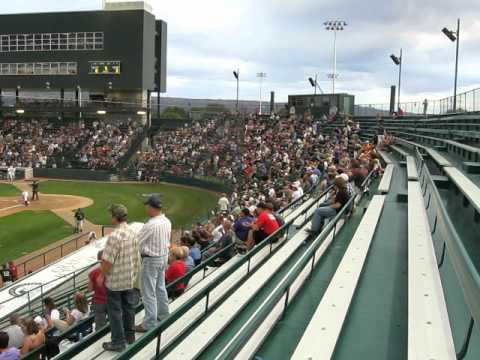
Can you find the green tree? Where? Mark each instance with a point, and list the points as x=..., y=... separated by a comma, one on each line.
x=174, y=112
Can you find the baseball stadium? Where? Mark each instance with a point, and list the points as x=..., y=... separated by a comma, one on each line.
x=136, y=226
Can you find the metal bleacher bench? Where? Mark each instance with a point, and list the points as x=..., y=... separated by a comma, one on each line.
x=384, y=185
x=321, y=336
x=434, y=154
x=466, y=186
x=412, y=173
x=401, y=152
x=439, y=159
x=429, y=332
x=385, y=157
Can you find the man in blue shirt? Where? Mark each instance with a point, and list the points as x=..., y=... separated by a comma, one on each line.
x=243, y=224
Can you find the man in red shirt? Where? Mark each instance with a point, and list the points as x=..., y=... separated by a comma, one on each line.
x=265, y=225
x=96, y=284
x=13, y=270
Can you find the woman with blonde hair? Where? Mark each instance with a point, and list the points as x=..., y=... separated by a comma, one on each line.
x=176, y=270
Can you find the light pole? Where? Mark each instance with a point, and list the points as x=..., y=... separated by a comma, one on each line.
x=237, y=76
x=334, y=25
x=262, y=76
x=314, y=84
x=454, y=36
x=398, y=61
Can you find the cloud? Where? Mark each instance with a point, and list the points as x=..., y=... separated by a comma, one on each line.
x=287, y=40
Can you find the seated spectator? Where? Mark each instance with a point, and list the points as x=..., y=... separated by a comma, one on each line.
x=7, y=352
x=193, y=249
x=329, y=178
x=15, y=332
x=189, y=263
x=330, y=208
x=80, y=312
x=176, y=270
x=225, y=241
x=264, y=226
x=96, y=283
x=243, y=224
x=34, y=337
x=51, y=313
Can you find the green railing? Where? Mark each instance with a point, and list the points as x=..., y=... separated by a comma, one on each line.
x=94, y=337
x=33, y=295
x=99, y=333
x=452, y=246
x=282, y=291
x=204, y=294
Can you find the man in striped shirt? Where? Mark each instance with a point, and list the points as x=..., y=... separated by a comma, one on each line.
x=154, y=241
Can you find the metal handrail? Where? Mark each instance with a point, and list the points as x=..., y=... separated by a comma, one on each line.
x=40, y=287
x=99, y=333
x=465, y=270
x=284, y=288
x=204, y=293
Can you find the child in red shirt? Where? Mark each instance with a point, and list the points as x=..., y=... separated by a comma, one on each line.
x=97, y=285
x=176, y=270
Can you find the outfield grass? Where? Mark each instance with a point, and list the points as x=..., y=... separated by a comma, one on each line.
x=27, y=231
x=182, y=205
x=8, y=190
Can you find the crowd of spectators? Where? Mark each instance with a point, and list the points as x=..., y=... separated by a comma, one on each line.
x=267, y=162
x=47, y=144
x=24, y=335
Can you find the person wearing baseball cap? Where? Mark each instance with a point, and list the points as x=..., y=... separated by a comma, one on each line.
x=330, y=209
x=119, y=265
x=154, y=242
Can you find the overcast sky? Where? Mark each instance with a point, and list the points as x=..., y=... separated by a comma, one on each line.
x=287, y=40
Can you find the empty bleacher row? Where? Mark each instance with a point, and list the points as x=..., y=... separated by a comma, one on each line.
x=453, y=154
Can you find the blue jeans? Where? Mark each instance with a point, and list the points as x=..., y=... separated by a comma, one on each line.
x=121, y=314
x=319, y=216
x=154, y=293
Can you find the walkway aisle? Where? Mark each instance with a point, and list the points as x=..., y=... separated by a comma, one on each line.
x=290, y=329
x=377, y=323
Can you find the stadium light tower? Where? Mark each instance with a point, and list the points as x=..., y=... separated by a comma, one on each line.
x=261, y=76
x=454, y=36
x=334, y=25
x=314, y=84
x=398, y=61
x=236, y=73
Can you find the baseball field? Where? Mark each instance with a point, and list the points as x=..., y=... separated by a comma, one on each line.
x=24, y=230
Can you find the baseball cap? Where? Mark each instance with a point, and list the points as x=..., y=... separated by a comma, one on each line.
x=118, y=210
x=154, y=202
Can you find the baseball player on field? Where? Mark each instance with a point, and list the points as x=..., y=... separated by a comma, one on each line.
x=11, y=174
x=25, y=198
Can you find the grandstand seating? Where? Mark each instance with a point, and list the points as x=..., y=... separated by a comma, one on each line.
x=192, y=305
x=323, y=331
x=429, y=333
x=411, y=169
x=384, y=185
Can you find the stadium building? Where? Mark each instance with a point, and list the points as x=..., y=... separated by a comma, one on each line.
x=116, y=54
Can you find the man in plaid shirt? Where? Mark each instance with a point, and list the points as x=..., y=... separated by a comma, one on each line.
x=120, y=263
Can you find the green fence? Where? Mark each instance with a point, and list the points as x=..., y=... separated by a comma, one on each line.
x=77, y=174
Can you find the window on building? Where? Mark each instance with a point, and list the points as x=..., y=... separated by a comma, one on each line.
x=74, y=41
x=40, y=68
